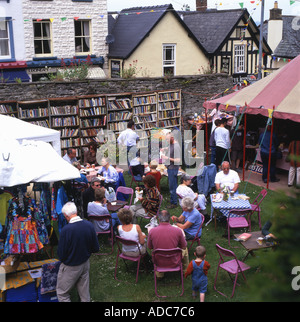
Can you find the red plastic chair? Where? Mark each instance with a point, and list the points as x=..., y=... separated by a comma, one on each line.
x=232, y=267
x=238, y=221
x=255, y=206
x=135, y=179
x=197, y=238
x=109, y=232
x=125, y=191
x=167, y=260
x=121, y=241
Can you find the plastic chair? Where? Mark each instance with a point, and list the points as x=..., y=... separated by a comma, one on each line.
x=167, y=260
x=238, y=221
x=197, y=238
x=233, y=267
x=109, y=232
x=121, y=241
x=125, y=191
x=135, y=179
x=255, y=206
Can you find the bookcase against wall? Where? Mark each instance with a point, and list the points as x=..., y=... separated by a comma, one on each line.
x=169, y=109
x=64, y=118
x=9, y=108
x=119, y=111
x=35, y=112
x=93, y=117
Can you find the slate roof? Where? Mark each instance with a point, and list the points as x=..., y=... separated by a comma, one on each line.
x=289, y=47
x=133, y=25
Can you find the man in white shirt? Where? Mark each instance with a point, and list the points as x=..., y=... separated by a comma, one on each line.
x=70, y=156
x=222, y=139
x=227, y=178
x=129, y=138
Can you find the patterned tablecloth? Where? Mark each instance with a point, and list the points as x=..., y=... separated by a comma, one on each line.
x=225, y=206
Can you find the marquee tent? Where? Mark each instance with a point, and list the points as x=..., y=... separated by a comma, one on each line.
x=32, y=161
x=12, y=127
x=280, y=90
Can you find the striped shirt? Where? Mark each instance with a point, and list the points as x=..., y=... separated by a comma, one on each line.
x=151, y=202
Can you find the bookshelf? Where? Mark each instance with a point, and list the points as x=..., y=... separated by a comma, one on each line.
x=35, y=112
x=119, y=112
x=64, y=118
x=9, y=108
x=169, y=109
x=93, y=117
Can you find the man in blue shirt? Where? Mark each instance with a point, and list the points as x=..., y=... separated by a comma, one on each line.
x=78, y=240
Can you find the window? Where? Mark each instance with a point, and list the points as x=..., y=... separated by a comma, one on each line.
x=239, y=59
x=42, y=38
x=82, y=37
x=169, y=59
x=4, y=40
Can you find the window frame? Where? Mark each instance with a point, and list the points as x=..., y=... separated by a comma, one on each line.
x=48, y=21
x=240, y=59
x=11, y=55
x=80, y=53
x=168, y=63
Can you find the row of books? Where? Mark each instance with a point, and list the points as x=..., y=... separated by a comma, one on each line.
x=172, y=122
x=62, y=110
x=44, y=123
x=144, y=109
x=90, y=132
x=65, y=121
x=72, y=142
x=169, y=113
x=119, y=104
x=7, y=109
x=85, y=141
x=118, y=126
x=92, y=102
x=101, y=121
x=169, y=96
x=168, y=105
x=144, y=100
x=37, y=112
x=143, y=119
x=69, y=132
x=93, y=111
x=119, y=116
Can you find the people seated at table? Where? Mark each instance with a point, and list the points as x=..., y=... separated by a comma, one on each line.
x=89, y=156
x=227, y=178
x=82, y=180
x=128, y=230
x=153, y=172
x=149, y=204
x=190, y=220
x=184, y=190
x=167, y=236
x=98, y=207
x=70, y=156
x=108, y=174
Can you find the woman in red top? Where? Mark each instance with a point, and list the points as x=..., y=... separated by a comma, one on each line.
x=156, y=174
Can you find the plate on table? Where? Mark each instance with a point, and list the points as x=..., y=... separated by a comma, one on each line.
x=217, y=198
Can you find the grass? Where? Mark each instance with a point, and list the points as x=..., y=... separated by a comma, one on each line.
x=104, y=288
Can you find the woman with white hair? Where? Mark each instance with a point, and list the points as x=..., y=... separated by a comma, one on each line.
x=190, y=220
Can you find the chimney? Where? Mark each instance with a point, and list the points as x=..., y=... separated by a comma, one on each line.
x=276, y=13
x=201, y=5
x=275, y=27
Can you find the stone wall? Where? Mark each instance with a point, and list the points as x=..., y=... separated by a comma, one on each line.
x=194, y=89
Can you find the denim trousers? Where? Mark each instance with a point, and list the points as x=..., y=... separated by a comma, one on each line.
x=173, y=183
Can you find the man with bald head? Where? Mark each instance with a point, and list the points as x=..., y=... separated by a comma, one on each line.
x=227, y=178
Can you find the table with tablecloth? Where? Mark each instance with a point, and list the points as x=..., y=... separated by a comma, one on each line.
x=225, y=206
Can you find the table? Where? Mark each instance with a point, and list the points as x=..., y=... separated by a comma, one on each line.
x=114, y=208
x=225, y=206
x=280, y=163
x=251, y=244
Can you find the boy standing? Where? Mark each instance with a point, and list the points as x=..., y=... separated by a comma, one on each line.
x=198, y=268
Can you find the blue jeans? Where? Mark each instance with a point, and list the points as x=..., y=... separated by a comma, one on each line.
x=115, y=221
x=173, y=183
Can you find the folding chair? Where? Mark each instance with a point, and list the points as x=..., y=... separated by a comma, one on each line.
x=233, y=267
x=167, y=260
x=109, y=232
x=120, y=242
x=236, y=219
x=136, y=179
x=255, y=206
x=197, y=238
x=125, y=191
